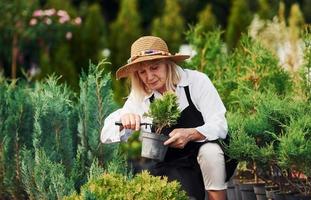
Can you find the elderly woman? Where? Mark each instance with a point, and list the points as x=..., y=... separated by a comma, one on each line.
x=193, y=157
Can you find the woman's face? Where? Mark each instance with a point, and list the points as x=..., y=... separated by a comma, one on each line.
x=153, y=74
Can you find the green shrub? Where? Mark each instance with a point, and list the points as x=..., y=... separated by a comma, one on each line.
x=295, y=146
x=164, y=111
x=94, y=104
x=42, y=178
x=141, y=187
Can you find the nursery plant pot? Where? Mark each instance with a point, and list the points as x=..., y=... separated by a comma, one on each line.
x=231, y=191
x=297, y=197
x=278, y=196
x=247, y=191
x=260, y=191
x=270, y=190
x=153, y=147
x=237, y=189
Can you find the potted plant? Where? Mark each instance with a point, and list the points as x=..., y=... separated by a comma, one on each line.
x=164, y=113
x=294, y=158
x=253, y=142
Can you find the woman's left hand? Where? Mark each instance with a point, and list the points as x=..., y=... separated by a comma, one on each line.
x=180, y=137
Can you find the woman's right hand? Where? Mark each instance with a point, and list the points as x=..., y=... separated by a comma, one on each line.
x=130, y=121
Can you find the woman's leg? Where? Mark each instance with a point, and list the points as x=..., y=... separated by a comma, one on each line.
x=212, y=163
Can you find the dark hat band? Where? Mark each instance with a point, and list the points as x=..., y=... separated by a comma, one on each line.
x=149, y=52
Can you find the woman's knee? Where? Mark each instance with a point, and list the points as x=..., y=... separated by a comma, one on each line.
x=210, y=152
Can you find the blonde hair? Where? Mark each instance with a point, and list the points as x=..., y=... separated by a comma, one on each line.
x=139, y=89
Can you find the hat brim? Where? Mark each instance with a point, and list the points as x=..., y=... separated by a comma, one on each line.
x=127, y=69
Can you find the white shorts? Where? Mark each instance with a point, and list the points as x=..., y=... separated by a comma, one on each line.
x=212, y=163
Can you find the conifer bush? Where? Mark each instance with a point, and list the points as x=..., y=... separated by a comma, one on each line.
x=16, y=124
x=142, y=187
x=49, y=136
x=263, y=100
x=164, y=111
x=95, y=103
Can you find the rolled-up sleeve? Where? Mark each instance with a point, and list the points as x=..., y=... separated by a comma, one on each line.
x=110, y=132
x=208, y=102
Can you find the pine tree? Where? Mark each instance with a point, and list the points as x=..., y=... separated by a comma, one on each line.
x=267, y=8
x=123, y=32
x=295, y=21
x=89, y=39
x=64, y=66
x=53, y=131
x=206, y=19
x=240, y=17
x=16, y=133
x=95, y=103
x=43, y=178
x=170, y=26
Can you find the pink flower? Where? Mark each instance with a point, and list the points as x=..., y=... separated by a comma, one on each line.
x=50, y=12
x=68, y=35
x=62, y=13
x=62, y=20
x=37, y=13
x=78, y=20
x=33, y=22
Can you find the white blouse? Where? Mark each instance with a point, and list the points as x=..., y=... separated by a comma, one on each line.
x=203, y=95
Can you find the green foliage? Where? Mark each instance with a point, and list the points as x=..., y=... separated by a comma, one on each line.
x=305, y=72
x=211, y=55
x=170, y=26
x=207, y=21
x=90, y=38
x=296, y=20
x=248, y=68
x=164, y=111
x=64, y=67
x=295, y=145
x=142, y=186
x=118, y=165
x=15, y=132
x=240, y=17
x=267, y=8
x=241, y=140
x=95, y=170
x=52, y=120
x=43, y=120
x=123, y=32
x=95, y=103
x=132, y=148
x=42, y=178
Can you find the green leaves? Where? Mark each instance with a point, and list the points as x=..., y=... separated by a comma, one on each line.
x=141, y=187
x=164, y=111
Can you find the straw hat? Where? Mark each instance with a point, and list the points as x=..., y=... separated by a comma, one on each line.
x=144, y=49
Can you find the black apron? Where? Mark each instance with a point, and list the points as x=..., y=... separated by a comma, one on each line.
x=181, y=164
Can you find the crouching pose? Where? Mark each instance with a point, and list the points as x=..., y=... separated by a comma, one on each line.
x=194, y=157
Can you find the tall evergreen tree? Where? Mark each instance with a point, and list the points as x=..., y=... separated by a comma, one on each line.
x=14, y=21
x=64, y=66
x=206, y=19
x=90, y=38
x=15, y=134
x=95, y=103
x=170, y=25
x=295, y=21
x=240, y=17
x=52, y=121
x=123, y=31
